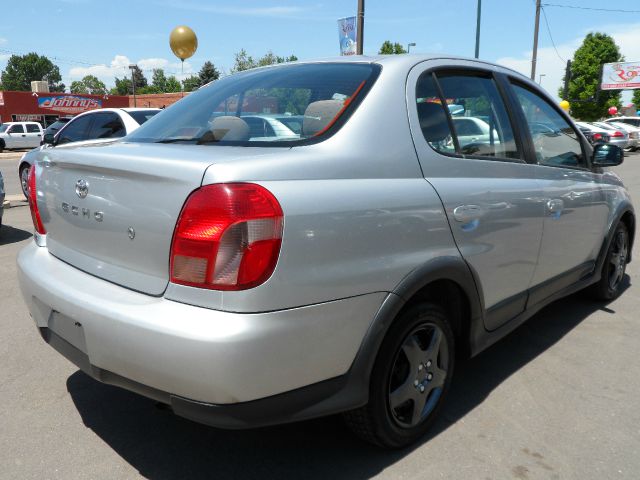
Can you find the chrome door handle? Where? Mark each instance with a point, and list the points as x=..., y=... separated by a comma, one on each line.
x=555, y=205
x=467, y=213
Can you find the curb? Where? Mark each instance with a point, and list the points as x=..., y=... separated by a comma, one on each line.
x=11, y=201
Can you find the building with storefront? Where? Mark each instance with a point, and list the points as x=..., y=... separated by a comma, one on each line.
x=46, y=108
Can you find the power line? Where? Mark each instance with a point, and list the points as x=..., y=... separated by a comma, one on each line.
x=575, y=7
x=546, y=21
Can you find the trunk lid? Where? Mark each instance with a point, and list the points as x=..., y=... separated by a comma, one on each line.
x=110, y=210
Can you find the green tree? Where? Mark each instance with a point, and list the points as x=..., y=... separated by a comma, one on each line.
x=123, y=87
x=636, y=98
x=208, y=73
x=586, y=102
x=243, y=61
x=89, y=84
x=21, y=70
x=191, y=83
x=159, y=80
x=173, y=84
x=389, y=48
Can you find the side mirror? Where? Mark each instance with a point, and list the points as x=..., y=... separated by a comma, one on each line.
x=607, y=155
x=48, y=139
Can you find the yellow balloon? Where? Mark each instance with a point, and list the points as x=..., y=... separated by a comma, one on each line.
x=183, y=42
x=564, y=105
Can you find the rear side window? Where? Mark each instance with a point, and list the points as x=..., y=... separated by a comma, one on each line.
x=464, y=114
x=247, y=108
x=33, y=128
x=556, y=143
x=74, y=131
x=107, y=125
x=142, y=116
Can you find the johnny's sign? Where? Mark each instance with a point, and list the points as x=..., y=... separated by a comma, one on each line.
x=69, y=103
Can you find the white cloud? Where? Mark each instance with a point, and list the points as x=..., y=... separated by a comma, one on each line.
x=119, y=67
x=3, y=41
x=552, y=67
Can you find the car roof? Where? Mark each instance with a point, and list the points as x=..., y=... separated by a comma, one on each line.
x=407, y=60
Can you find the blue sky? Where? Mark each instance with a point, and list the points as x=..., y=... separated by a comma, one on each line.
x=102, y=37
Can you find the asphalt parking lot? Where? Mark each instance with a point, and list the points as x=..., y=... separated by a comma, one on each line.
x=557, y=399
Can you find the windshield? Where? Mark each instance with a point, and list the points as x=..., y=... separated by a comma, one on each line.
x=3, y=127
x=142, y=116
x=284, y=105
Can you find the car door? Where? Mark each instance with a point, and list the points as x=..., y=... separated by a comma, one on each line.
x=488, y=190
x=16, y=137
x=576, y=209
x=34, y=135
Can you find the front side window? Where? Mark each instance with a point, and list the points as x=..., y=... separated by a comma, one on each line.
x=471, y=105
x=257, y=106
x=18, y=128
x=556, y=143
x=107, y=125
x=74, y=131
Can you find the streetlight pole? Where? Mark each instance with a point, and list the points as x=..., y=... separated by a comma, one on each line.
x=409, y=45
x=360, y=31
x=478, y=29
x=133, y=82
x=540, y=78
x=535, y=42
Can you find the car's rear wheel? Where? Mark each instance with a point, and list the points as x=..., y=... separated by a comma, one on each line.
x=615, y=264
x=24, y=180
x=410, y=379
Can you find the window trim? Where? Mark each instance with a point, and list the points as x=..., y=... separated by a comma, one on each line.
x=514, y=81
x=477, y=72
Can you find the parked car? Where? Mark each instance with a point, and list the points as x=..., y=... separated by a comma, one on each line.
x=635, y=121
x=594, y=136
x=619, y=140
x=94, y=126
x=617, y=136
x=633, y=132
x=16, y=135
x=246, y=282
x=1, y=198
x=265, y=127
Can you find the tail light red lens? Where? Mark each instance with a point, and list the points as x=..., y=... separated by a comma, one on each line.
x=597, y=136
x=617, y=133
x=33, y=202
x=228, y=237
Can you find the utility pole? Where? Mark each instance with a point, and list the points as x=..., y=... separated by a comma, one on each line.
x=133, y=83
x=567, y=79
x=478, y=29
x=360, y=32
x=535, y=42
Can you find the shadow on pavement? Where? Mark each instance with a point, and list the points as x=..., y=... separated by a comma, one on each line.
x=9, y=234
x=163, y=446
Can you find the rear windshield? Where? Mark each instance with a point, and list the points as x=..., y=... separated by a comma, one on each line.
x=279, y=106
x=142, y=116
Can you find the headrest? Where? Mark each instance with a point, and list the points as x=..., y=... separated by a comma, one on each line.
x=433, y=121
x=229, y=129
x=318, y=115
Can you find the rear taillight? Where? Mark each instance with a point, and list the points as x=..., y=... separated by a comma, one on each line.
x=617, y=133
x=597, y=136
x=227, y=237
x=33, y=202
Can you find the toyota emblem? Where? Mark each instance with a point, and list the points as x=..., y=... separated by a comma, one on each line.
x=82, y=188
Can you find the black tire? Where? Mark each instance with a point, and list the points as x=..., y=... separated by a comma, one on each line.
x=615, y=263
x=25, y=188
x=388, y=420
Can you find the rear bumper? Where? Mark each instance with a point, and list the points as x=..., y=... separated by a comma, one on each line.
x=196, y=359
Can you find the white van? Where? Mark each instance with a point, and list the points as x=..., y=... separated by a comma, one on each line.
x=20, y=135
